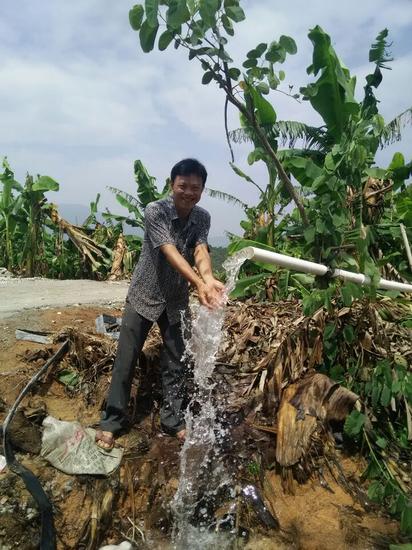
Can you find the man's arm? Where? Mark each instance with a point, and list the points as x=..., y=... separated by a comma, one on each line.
x=203, y=262
x=178, y=262
x=208, y=295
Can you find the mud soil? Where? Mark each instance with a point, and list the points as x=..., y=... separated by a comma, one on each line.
x=133, y=503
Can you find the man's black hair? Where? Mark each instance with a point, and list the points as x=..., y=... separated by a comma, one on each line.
x=187, y=167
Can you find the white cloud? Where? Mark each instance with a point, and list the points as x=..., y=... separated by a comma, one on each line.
x=76, y=104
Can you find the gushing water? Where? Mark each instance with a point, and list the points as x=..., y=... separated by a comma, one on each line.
x=203, y=477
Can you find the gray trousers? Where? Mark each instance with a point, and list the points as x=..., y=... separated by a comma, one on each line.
x=133, y=333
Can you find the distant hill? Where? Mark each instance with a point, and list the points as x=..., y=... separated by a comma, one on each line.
x=77, y=213
x=218, y=255
x=220, y=240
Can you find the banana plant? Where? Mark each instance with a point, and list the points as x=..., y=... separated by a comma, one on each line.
x=92, y=217
x=10, y=210
x=352, y=133
x=356, y=130
x=146, y=192
x=35, y=208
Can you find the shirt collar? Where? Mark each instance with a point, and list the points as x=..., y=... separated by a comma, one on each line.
x=192, y=216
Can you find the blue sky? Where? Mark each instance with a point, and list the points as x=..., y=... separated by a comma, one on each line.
x=79, y=101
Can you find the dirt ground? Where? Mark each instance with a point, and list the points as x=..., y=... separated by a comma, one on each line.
x=136, y=497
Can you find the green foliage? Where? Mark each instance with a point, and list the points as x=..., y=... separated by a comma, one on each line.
x=69, y=378
x=146, y=192
x=336, y=225
x=218, y=255
x=207, y=11
x=10, y=206
x=392, y=131
x=403, y=203
x=23, y=211
x=339, y=156
x=354, y=423
x=378, y=53
x=288, y=44
x=165, y=39
x=151, y=7
x=35, y=241
x=45, y=183
x=385, y=389
x=146, y=185
x=249, y=285
x=406, y=519
x=262, y=109
x=136, y=17
x=253, y=468
x=147, y=36
x=177, y=14
x=215, y=193
x=203, y=29
x=332, y=95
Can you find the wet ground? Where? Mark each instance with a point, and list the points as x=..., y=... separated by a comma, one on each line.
x=133, y=503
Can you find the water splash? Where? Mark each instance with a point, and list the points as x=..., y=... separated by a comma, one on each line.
x=203, y=477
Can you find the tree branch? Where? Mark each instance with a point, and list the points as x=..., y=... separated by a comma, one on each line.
x=226, y=84
x=268, y=148
x=227, y=131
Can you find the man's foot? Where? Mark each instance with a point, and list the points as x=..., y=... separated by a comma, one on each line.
x=104, y=440
x=181, y=435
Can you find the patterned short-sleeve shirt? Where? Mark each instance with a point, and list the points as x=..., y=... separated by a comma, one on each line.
x=155, y=284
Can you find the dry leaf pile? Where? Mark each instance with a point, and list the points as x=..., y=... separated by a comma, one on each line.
x=265, y=368
x=254, y=331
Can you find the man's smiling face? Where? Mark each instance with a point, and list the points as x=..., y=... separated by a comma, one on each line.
x=186, y=193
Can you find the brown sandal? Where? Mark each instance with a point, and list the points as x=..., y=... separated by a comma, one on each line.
x=103, y=437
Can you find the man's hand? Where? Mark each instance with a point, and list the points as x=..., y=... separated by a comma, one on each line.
x=211, y=293
x=210, y=290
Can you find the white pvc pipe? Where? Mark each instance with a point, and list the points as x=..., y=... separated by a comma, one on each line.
x=267, y=257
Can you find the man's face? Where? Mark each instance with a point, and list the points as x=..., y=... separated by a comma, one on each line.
x=186, y=192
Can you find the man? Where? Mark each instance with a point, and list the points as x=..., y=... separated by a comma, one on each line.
x=175, y=239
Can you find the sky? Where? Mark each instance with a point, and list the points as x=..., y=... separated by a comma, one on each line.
x=80, y=101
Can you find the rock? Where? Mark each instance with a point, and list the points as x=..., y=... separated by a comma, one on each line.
x=4, y=273
x=122, y=546
x=68, y=487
